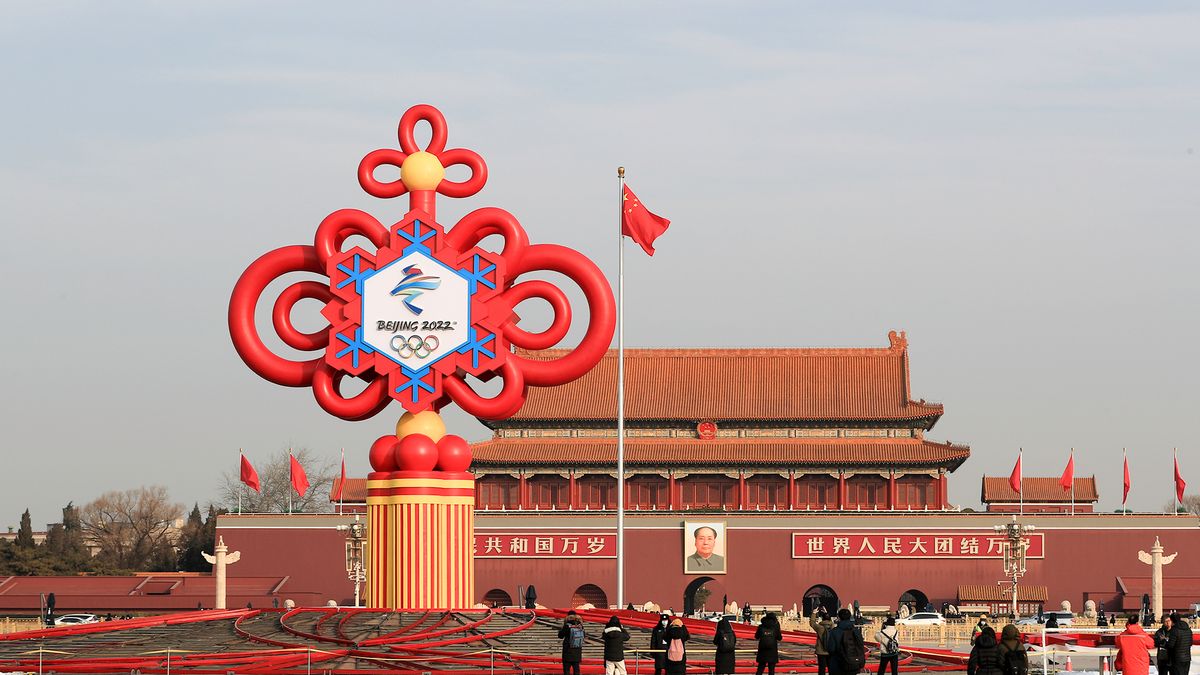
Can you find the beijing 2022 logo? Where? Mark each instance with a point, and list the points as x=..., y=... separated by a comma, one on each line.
x=414, y=283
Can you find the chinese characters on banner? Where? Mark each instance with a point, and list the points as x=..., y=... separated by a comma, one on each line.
x=545, y=545
x=931, y=544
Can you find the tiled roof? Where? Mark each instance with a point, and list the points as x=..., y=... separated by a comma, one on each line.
x=355, y=492
x=738, y=384
x=995, y=593
x=501, y=452
x=997, y=490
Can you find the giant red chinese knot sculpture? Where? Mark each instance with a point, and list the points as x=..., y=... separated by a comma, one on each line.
x=413, y=318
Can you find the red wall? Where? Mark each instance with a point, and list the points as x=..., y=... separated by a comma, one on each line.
x=1084, y=555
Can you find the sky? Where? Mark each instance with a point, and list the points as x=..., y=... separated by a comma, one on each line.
x=1016, y=185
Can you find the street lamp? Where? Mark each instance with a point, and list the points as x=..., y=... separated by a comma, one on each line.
x=354, y=554
x=1015, y=546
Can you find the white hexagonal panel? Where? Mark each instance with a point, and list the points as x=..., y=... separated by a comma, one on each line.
x=415, y=311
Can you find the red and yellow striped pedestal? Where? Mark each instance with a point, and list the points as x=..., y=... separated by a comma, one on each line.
x=421, y=534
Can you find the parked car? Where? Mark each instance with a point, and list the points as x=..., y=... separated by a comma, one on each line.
x=1064, y=619
x=75, y=619
x=922, y=619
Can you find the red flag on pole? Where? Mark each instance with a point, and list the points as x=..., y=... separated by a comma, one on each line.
x=299, y=478
x=250, y=476
x=639, y=224
x=1180, y=484
x=1068, y=476
x=1125, y=494
x=337, y=495
x=1014, y=479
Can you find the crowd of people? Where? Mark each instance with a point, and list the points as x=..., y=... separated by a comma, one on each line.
x=840, y=648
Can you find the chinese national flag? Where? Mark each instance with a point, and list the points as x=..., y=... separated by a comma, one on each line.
x=1014, y=479
x=1180, y=484
x=250, y=476
x=337, y=495
x=1125, y=494
x=639, y=224
x=1068, y=476
x=299, y=478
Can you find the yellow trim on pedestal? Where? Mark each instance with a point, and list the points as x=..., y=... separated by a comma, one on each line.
x=420, y=482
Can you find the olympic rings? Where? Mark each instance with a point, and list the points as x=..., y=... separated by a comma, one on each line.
x=414, y=345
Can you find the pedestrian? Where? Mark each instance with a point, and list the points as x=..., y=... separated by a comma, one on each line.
x=889, y=647
x=985, y=655
x=658, y=643
x=768, y=636
x=1161, y=640
x=615, y=637
x=726, y=643
x=820, y=623
x=677, y=636
x=979, y=626
x=1013, y=654
x=847, y=654
x=1180, y=643
x=1133, y=649
x=1052, y=620
x=573, y=637
x=747, y=613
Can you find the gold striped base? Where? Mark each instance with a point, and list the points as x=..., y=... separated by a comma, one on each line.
x=421, y=533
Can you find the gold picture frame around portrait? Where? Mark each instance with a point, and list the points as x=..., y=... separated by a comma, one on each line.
x=705, y=536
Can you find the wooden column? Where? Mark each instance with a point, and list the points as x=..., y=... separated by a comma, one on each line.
x=842, y=496
x=791, y=500
x=943, y=489
x=743, y=493
x=891, y=497
x=672, y=497
x=524, y=491
x=573, y=491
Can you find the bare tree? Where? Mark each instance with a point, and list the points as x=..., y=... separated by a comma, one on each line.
x=134, y=529
x=275, y=477
x=1190, y=504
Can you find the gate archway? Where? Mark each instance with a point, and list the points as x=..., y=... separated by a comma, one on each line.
x=915, y=599
x=820, y=596
x=689, y=594
x=590, y=594
x=497, y=597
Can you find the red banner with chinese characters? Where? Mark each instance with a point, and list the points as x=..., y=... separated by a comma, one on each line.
x=924, y=545
x=545, y=545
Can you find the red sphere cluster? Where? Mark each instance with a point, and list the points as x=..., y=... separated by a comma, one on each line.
x=418, y=452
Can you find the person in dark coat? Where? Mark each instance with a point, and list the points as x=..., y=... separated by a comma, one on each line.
x=1180, y=644
x=844, y=625
x=726, y=642
x=747, y=613
x=572, y=656
x=768, y=636
x=615, y=637
x=985, y=655
x=1162, y=641
x=658, y=643
x=677, y=637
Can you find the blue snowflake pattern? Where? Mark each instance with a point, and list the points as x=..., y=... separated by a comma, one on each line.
x=355, y=276
x=416, y=239
x=474, y=346
x=415, y=382
x=354, y=346
x=476, y=276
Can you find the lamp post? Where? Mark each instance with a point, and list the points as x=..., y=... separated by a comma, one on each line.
x=1016, y=545
x=354, y=554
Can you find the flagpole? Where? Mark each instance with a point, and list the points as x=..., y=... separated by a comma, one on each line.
x=1174, y=482
x=290, y=478
x=620, y=392
x=342, y=487
x=1124, y=465
x=240, y=456
x=1021, y=479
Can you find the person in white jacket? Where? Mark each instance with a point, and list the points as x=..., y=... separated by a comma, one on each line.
x=889, y=646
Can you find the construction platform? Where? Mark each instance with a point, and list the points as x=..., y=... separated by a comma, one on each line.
x=347, y=640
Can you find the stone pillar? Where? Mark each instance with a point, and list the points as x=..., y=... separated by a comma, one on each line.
x=220, y=560
x=1155, y=559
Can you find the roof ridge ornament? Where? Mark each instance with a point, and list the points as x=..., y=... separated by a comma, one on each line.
x=898, y=340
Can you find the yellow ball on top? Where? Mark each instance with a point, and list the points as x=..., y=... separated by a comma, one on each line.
x=426, y=422
x=422, y=171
